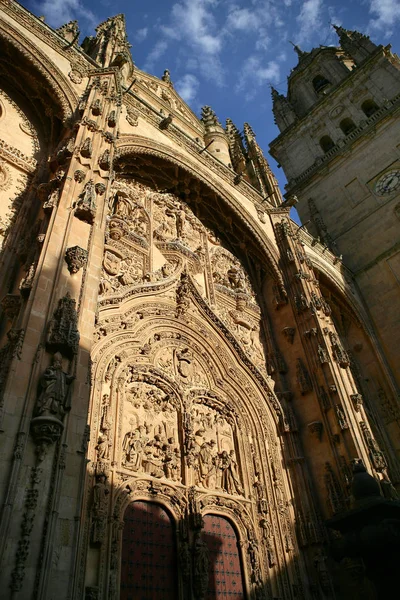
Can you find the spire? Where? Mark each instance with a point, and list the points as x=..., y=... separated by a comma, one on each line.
x=69, y=31
x=259, y=170
x=236, y=147
x=300, y=53
x=110, y=47
x=354, y=43
x=284, y=114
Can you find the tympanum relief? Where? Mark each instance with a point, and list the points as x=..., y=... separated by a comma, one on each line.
x=152, y=236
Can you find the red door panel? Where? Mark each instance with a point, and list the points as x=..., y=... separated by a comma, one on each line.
x=148, y=565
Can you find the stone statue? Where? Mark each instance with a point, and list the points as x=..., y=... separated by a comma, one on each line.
x=206, y=467
x=54, y=392
x=201, y=562
x=99, y=509
x=122, y=206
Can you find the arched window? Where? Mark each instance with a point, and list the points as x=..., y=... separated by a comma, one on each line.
x=369, y=107
x=225, y=576
x=149, y=562
x=326, y=143
x=320, y=83
x=347, y=125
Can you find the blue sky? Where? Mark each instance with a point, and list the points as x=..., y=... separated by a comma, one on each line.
x=226, y=53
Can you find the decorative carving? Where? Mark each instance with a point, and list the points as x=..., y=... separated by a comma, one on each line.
x=52, y=402
x=11, y=305
x=316, y=428
x=105, y=160
x=76, y=258
x=341, y=417
x=338, y=353
x=86, y=206
x=75, y=76
x=377, y=456
x=62, y=333
x=99, y=509
x=201, y=564
x=86, y=148
x=303, y=378
x=289, y=333
x=323, y=355
x=357, y=401
x=132, y=116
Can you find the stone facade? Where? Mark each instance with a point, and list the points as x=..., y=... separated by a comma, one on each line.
x=169, y=337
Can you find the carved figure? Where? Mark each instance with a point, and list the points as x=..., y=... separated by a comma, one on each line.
x=230, y=481
x=201, y=563
x=54, y=393
x=99, y=509
x=206, y=467
x=122, y=206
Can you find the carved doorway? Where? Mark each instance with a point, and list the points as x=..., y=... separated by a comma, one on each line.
x=225, y=571
x=149, y=562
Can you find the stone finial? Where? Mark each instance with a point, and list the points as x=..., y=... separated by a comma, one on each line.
x=209, y=118
x=300, y=53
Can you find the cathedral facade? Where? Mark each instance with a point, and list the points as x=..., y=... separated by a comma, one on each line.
x=186, y=375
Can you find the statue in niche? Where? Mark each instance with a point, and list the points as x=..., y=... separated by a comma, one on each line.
x=134, y=444
x=206, y=471
x=229, y=478
x=201, y=563
x=103, y=448
x=183, y=362
x=99, y=509
x=54, y=392
x=122, y=206
x=105, y=420
x=172, y=467
x=180, y=218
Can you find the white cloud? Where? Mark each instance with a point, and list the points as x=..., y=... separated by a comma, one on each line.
x=196, y=24
x=242, y=19
x=158, y=50
x=58, y=12
x=309, y=20
x=387, y=14
x=141, y=34
x=187, y=87
x=255, y=73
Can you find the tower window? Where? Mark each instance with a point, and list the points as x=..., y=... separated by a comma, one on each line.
x=320, y=83
x=369, y=107
x=326, y=143
x=347, y=125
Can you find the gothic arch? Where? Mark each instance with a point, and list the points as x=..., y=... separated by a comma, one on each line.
x=61, y=89
x=138, y=145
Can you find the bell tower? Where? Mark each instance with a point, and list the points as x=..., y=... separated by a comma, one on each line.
x=339, y=148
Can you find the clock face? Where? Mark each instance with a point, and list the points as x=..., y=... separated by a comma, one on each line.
x=388, y=183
